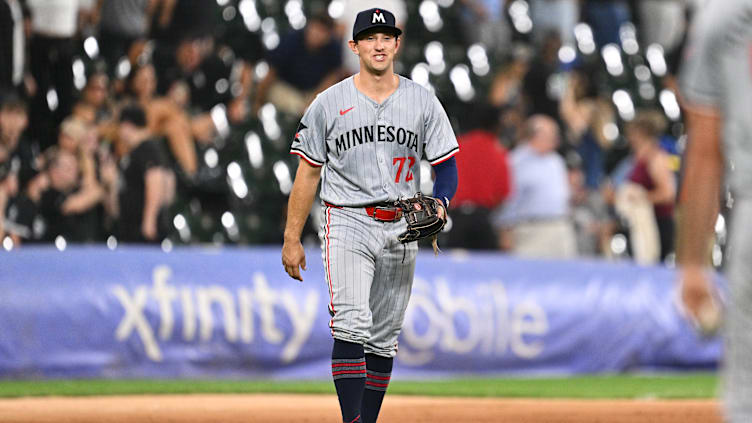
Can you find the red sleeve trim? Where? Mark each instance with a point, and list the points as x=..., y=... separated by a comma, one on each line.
x=307, y=159
x=445, y=157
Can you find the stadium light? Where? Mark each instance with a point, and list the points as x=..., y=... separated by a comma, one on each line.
x=624, y=104
x=670, y=104
x=612, y=57
x=60, y=243
x=647, y=91
x=656, y=60
x=460, y=77
x=8, y=243
x=478, y=59
x=420, y=74
x=519, y=11
x=282, y=173
x=336, y=9
x=112, y=242
x=429, y=11
x=583, y=33
x=642, y=73
x=268, y=115
x=79, y=74
x=295, y=15
x=251, y=18
x=211, y=158
x=91, y=47
x=166, y=245
x=434, y=53
x=253, y=147
x=611, y=131
x=628, y=37
x=52, y=100
x=567, y=54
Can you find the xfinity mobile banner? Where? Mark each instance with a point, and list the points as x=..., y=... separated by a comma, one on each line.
x=234, y=313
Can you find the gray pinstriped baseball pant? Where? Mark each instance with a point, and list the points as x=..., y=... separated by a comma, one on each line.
x=369, y=275
x=737, y=369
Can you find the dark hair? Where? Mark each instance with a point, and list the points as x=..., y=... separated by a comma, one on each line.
x=486, y=116
x=11, y=101
x=322, y=18
x=372, y=31
x=134, y=114
x=135, y=69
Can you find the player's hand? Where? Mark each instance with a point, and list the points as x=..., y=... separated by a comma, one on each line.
x=698, y=301
x=441, y=212
x=293, y=258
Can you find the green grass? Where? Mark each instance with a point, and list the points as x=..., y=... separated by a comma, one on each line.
x=668, y=386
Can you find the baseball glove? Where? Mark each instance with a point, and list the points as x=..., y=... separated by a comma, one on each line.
x=422, y=215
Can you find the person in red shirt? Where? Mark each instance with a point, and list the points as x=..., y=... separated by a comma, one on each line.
x=484, y=182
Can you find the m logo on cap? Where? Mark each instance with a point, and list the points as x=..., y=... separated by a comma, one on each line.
x=378, y=17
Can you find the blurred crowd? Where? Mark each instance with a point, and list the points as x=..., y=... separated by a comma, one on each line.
x=169, y=121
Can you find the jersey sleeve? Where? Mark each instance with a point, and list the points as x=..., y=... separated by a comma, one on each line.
x=701, y=83
x=310, y=138
x=440, y=142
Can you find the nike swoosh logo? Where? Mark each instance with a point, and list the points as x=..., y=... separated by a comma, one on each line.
x=344, y=112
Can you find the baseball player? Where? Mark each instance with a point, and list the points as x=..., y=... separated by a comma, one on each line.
x=364, y=138
x=717, y=86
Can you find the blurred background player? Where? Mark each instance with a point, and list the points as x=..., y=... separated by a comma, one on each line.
x=717, y=87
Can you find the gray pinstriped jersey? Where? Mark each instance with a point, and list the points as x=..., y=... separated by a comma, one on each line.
x=718, y=72
x=371, y=152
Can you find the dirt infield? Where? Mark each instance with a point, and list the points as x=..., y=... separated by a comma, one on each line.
x=323, y=408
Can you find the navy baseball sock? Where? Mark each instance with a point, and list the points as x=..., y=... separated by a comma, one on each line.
x=349, y=373
x=377, y=380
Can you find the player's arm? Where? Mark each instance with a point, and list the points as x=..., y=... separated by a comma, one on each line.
x=699, y=200
x=445, y=184
x=298, y=207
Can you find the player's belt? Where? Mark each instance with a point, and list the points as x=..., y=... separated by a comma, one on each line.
x=383, y=212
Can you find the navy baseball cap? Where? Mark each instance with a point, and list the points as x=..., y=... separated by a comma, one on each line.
x=375, y=18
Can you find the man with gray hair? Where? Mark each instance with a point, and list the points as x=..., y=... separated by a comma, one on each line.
x=536, y=221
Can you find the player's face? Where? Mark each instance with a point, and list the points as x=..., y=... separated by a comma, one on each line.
x=376, y=51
